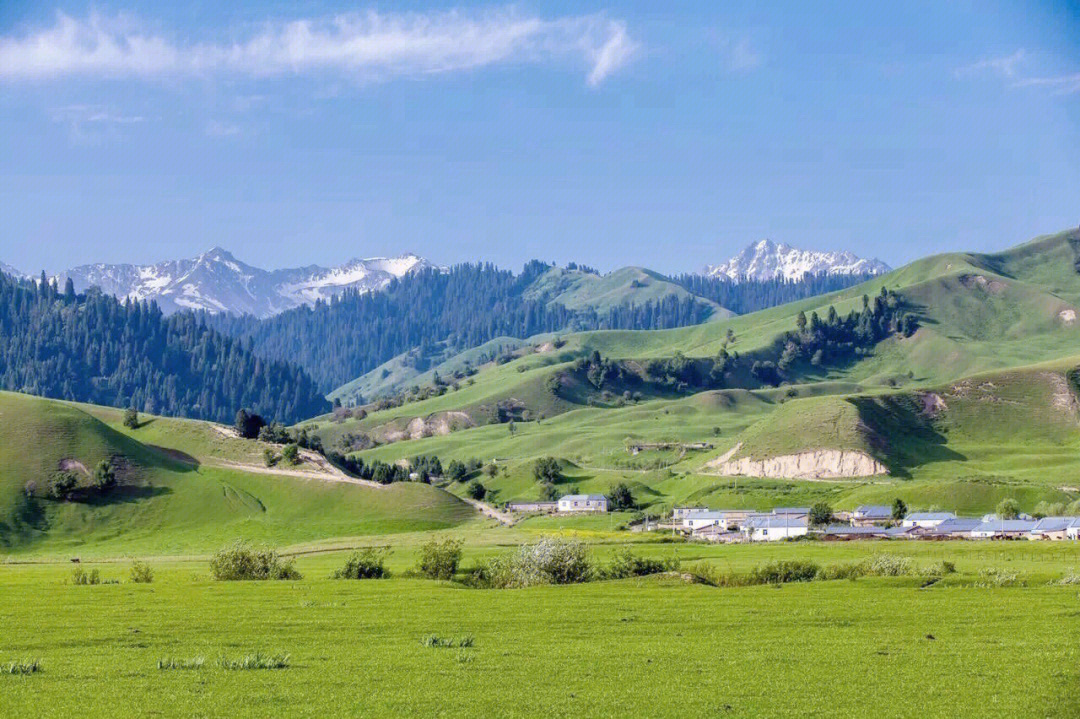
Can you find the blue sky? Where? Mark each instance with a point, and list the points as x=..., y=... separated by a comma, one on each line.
x=660, y=134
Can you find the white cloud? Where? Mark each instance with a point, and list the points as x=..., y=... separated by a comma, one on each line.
x=1008, y=67
x=362, y=46
x=1005, y=66
x=93, y=124
x=740, y=56
x=1063, y=85
x=216, y=128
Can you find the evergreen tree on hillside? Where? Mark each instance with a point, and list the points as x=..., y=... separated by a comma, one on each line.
x=93, y=348
x=463, y=307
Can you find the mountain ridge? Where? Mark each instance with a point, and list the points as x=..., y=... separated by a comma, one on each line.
x=215, y=281
x=767, y=260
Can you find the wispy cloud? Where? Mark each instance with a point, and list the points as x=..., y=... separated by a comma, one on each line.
x=1062, y=85
x=1004, y=66
x=217, y=128
x=361, y=46
x=91, y=124
x=1009, y=67
x=740, y=55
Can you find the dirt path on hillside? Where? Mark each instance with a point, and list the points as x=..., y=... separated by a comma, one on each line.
x=488, y=511
x=323, y=470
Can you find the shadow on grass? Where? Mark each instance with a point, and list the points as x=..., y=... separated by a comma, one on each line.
x=901, y=435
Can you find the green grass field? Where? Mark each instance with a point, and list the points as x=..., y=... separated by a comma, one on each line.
x=653, y=646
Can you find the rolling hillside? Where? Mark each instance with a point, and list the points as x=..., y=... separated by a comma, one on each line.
x=996, y=344
x=183, y=486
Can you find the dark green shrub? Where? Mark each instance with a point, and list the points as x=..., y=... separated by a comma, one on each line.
x=848, y=570
x=141, y=573
x=238, y=562
x=547, y=469
x=627, y=564
x=366, y=563
x=81, y=577
x=784, y=571
x=290, y=453
x=439, y=560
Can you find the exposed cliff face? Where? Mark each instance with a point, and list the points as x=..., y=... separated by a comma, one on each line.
x=816, y=464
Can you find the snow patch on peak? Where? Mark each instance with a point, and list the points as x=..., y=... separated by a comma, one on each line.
x=9, y=270
x=217, y=282
x=767, y=260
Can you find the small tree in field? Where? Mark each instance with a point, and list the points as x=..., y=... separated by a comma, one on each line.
x=439, y=560
x=820, y=514
x=620, y=497
x=899, y=509
x=1008, y=508
x=104, y=476
x=291, y=454
x=477, y=491
x=131, y=418
x=547, y=469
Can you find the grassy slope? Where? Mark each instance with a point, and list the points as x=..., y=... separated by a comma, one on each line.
x=172, y=499
x=579, y=290
x=401, y=372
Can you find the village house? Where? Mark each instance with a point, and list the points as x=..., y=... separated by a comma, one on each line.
x=717, y=533
x=1073, y=531
x=1051, y=528
x=679, y=513
x=583, y=503
x=792, y=511
x=704, y=518
x=927, y=520
x=869, y=515
x=532, y=506
x=957, y=528
x=772, y=528
x=844, y=531
x=1003, y=529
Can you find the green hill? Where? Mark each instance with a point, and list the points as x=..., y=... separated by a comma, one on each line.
x=579, y=290
x=182, y=487
x=996, y=343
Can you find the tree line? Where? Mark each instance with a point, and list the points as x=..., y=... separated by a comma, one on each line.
x=749, y=295
x=93, y=348
x=465, y=306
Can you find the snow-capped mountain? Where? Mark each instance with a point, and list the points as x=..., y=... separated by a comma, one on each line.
x=217, y=282
x=9, y=270
x=766, y=260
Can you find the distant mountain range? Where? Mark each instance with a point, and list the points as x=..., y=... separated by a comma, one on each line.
x=768, y=260
x=217, y=282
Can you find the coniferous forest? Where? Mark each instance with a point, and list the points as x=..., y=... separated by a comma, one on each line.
x=751, y=295
x=93, y=348
x=470, y=304
x=465, y=306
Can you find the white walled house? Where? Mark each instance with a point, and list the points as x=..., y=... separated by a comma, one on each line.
x=583, y=503
x=927, y=520
x=774, y=528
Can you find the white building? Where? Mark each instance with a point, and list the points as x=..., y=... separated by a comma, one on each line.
x=773, y=528
x=583, y=503
x=927, y=520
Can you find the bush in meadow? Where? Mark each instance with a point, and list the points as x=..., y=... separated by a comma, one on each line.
x=366, y=563
x=238, y=561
